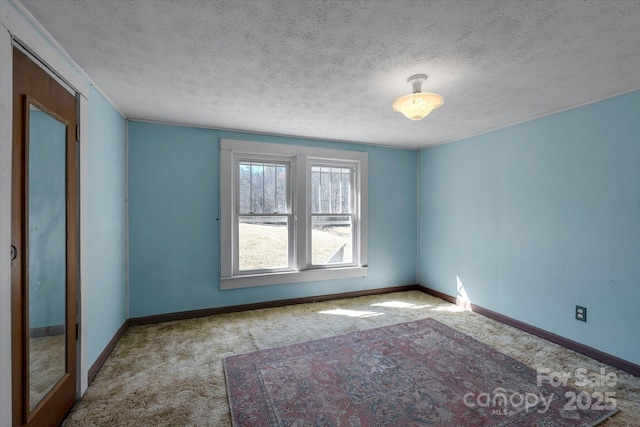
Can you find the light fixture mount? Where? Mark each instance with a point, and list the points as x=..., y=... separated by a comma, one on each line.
x=417, y=105
x=416, y=81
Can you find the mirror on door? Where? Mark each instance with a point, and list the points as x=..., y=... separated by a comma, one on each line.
x=47, y=258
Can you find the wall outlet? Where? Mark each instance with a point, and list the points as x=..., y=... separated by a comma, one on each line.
x=581, y=313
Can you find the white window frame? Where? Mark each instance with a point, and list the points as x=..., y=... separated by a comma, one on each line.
x=300, y=159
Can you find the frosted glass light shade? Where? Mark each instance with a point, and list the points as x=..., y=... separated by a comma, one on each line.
x=417, y=106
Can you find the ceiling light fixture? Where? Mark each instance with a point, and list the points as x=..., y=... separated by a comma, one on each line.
x=418, y=105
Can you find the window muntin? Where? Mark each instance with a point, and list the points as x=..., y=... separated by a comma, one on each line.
x=255, y=194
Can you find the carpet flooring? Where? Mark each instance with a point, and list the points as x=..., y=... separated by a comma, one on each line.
x=171, y=374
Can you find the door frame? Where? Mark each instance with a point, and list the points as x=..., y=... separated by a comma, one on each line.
x=18, y=26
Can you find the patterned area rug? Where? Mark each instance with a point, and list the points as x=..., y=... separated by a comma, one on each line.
x=409, y=374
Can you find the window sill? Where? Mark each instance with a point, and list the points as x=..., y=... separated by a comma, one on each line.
x=237, y=282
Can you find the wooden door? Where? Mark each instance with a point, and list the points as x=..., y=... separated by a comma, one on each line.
x=44, y=246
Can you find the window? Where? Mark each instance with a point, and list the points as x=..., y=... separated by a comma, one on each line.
x=291, y=214
x=332, y=215
x=263, y=216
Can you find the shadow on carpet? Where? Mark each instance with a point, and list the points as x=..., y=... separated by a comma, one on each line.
x=409, y=374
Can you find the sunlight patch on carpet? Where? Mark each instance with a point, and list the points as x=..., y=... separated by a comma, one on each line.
x=351, y=313
x=451, y=308
x=400, y=304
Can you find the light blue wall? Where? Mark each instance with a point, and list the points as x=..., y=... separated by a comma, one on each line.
x=174, y=205
x=539, y=217
x=106, y=299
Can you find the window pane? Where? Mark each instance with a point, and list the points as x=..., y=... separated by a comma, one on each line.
x=346, y=191
x=256, y=193
x=325, y=189
x=269, y=189
x=244, y=197
x=263, y=242
x=336, y=191
x=281, y=189
x=330, y=190
x=331, y=240
x=315, y=189
x=262, y=188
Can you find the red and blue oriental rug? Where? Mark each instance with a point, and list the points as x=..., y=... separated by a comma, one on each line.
x=420, y=373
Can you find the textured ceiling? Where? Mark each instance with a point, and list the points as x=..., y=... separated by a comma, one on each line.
x=331, y=69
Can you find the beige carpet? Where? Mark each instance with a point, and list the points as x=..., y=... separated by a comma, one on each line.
x=171, y=374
